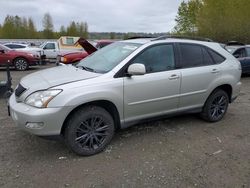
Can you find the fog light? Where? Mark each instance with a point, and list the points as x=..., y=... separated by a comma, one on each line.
x=34, y=125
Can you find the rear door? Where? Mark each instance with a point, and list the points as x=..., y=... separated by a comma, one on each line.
x=198, y=70
x=156, y=92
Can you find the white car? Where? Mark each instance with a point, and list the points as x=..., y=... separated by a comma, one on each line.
x=26, y=48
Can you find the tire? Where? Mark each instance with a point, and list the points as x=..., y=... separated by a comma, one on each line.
x=21, y=64
x=89, y=130
x=216, y=106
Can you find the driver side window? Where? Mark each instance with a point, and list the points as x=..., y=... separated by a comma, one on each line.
x=49, y=46
x=240, y=53
x=157, y=58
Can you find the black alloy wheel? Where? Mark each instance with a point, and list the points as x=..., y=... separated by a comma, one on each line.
x=89, y=130
x=216, y=106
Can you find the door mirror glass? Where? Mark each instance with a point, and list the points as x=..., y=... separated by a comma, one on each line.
x=237, y=55
x=136, y=69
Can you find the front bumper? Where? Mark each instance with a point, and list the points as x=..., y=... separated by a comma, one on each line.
x=51, y=119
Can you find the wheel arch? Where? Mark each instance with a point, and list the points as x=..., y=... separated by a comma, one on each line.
x=225, y=87
x=20, y=57
x=107, y=105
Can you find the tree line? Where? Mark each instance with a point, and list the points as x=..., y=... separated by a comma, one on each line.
x=16, y=27
x=220, y=20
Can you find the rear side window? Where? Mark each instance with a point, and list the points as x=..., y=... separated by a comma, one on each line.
x=207, y=58
x=248, y=52
x=192, y=55
x=217, y=57
x=17, y=46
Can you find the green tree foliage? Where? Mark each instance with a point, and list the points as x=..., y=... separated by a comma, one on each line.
x=220, y=20
x=78, y=29
x=112, y=35
x=32, y=32
x=225, y=20
x=186, y=18
x=63, y=31
x=72, y=29
x=16, y=27
x=48, y=26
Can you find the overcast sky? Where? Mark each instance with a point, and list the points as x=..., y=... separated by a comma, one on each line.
x=101, y=15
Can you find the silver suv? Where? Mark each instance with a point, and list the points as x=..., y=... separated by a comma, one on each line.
x=122, y=84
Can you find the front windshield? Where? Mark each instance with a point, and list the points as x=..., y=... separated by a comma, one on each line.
x=107, y=58
x=231, y=49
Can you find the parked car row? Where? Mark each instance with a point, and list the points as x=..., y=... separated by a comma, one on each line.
x=18, y=59
x=67, y=50
x=74, y=57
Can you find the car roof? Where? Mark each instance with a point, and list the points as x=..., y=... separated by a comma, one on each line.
x=21, y=44
x=174, y=40
x=232, y=49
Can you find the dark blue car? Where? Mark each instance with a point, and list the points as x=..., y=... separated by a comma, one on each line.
x=242, y=53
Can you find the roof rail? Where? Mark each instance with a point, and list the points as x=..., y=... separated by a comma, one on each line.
x=183, y=37
x=139, y=37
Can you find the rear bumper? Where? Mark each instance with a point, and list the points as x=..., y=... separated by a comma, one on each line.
x=236, y=91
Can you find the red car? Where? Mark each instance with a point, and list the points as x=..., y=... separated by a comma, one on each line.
x=17, y=59
x=73, y=57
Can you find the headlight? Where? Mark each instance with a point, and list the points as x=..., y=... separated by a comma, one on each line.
x=31, y=55
x=63, y=59
x=40, y=99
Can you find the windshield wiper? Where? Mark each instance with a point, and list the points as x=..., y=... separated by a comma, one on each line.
x=86, y=68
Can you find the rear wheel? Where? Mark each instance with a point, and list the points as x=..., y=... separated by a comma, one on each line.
x=89, y=130
x=216, y=106
x=21, y=64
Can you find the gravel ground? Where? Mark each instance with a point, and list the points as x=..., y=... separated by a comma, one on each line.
x=182, y=151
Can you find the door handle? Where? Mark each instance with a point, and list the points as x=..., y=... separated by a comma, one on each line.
x=174, y=77
x=215, y=71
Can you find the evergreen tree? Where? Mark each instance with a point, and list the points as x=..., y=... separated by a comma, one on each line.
x=48, y=26
x=62, y=31
x=32, y=32
x=72, y=29
x=8, y=28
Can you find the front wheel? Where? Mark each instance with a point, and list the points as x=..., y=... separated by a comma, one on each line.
x=216, y=106
x=89, y=130
x=21, y=64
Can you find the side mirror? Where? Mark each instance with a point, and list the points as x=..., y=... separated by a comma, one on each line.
x=237, y=55
x=2, y=51
x=136, y=69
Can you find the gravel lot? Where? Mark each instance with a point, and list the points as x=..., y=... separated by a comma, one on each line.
x=183, y=151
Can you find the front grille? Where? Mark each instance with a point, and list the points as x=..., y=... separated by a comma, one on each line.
x=19, y=90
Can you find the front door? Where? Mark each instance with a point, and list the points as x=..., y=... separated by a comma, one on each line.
x=156, y=92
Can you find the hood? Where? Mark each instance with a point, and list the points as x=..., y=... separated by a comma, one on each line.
x=89, y=48
x=55, y=76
